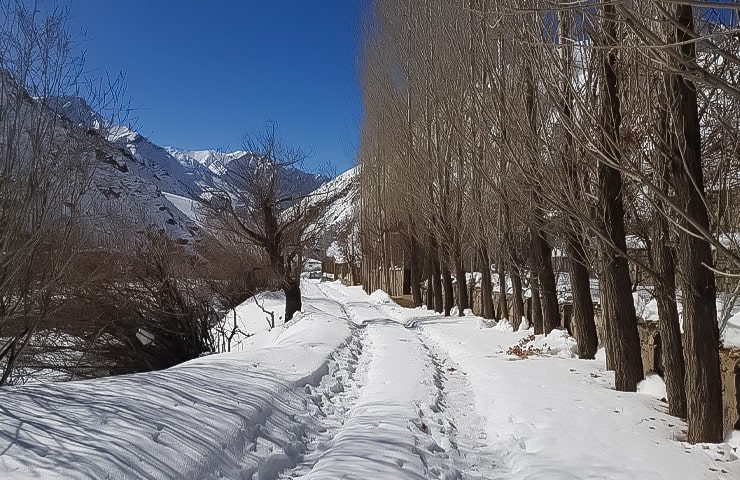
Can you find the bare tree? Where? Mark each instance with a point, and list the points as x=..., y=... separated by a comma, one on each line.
x=45, y=170
x=257, y=204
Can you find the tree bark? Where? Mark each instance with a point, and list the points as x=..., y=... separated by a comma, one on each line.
x=449, y=299
x=486, y=290
x=621, y=319
x=663, y=264
x=674, y=367
x=582, y=320
x=292, y=290
x=547, y=293
x=437, y=286
x=605, y=307
x=516, y=284
x=463, y=302
x=503, y=306
x=701, y=332
x=429, y=294
x=416, y=273
x=534, y=285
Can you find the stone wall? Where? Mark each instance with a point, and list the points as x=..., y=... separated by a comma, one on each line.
x=729, y=362
x=651, y=347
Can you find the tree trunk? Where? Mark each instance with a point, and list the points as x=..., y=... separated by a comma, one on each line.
x=486, y=290
x=292, y=290
x=605, y=307
x=536, y=304
x=516, y=284
x=674, y=367
x=429, y=293
x=663, y=263
x=449, y=299
x=503, y=305
x=582, y=320
x=463, y=302
x=701, y=332
x=621, y=321
x=416, y=274
x=546, y=278
x=437, y=286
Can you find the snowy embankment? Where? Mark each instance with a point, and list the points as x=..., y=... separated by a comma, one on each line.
x=359, y=388
x=552, y=416
x=257, y=314
x=341, y=392
x=229, y=415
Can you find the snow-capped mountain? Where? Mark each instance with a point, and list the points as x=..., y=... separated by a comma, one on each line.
x=130, y=176
x=342, y=209
x=214, y=160
x=150, y=161
x=216, y=163
x=152, y=185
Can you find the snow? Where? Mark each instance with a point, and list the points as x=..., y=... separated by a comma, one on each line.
x=334, y=251
x=557, y=343
x=185, y=205
x=214, y=160
x=555, y=418
x=504, y=326
x=341, y=211
x=220, y=416
x=524, y=325
x=653, y=386
x=357, y=387
x=646, y=308
x=255, y=315
x=379, y=296
x=377, y=439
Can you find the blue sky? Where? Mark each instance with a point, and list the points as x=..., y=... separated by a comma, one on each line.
x=206, y=72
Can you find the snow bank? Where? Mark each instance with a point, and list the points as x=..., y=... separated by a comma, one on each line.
x=558, y=343
x=653, y=386
x=379, y=296
x=557, y=417
x=504, y=326
x=257, y=314
x=231, y=415
x=524, y=325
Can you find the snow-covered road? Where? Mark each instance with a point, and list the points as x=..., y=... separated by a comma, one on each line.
x=356, y=388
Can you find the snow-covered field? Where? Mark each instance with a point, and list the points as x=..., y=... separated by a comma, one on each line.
x=357, y=387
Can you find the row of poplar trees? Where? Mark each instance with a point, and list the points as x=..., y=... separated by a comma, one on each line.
x=496, y=130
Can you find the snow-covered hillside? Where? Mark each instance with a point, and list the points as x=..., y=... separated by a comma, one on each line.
x=130, y=175
x=141, y=183
x=336, y=224
x=342, y=209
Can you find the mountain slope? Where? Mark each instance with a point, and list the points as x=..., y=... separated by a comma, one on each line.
x=141, y=184
x=130, y=173
x=335, y=229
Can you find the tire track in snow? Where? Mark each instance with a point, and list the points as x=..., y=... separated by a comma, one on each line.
x=461, y=431
x=415, y=442
x=455, y=427
x=443, y=439
x=330, y=402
